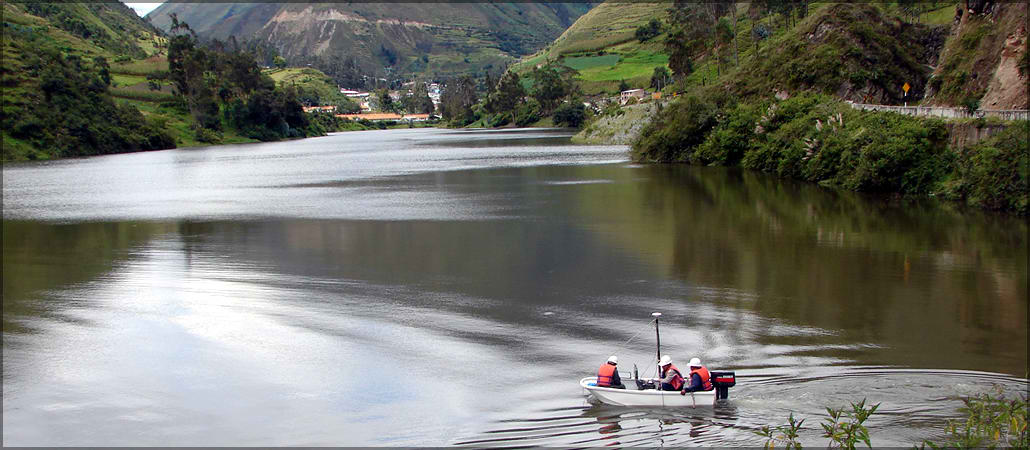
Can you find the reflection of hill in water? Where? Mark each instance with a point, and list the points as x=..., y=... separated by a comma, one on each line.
x=919, y=276
x=40, y=257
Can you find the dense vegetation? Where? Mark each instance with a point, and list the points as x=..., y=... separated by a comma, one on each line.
x=817, y=138
x=313, y=88
x=74, y=116
x=552, y=91
x=837, y=51
x=89, y=79
x=223, y=87
x=56, y=83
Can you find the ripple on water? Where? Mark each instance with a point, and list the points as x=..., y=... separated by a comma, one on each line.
x=914, y=404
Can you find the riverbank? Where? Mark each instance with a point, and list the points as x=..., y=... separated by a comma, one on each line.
x=620, y=126
x=820, y=139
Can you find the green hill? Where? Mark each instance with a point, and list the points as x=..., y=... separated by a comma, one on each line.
x=437, y=40
x=780, y=109
x=82, y=79
x=57, y=72
x=315, y=87
x=603, y=47
x=853, y=51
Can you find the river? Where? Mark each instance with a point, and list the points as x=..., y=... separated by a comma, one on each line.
x=439, y=287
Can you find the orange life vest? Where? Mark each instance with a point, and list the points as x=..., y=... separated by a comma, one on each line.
x=605, y=375
x=677, y=380
x=706, y=378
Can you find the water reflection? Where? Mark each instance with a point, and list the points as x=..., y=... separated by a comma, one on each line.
x=333, y=296
x=919, y=278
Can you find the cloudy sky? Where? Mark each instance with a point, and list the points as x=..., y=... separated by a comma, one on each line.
x=143, y=8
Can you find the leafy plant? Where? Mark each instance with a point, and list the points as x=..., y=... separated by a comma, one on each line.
x=784, y=434
x=991, y=420
x=846, y=428
x=972, y=104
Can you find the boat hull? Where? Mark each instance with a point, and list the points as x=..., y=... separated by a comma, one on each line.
x=650, y=397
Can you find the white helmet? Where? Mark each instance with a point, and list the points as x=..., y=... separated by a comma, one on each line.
x=613, y=359
x=666, y=360
x=694, y=362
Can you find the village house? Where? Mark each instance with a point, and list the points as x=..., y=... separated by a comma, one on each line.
x=638, y=94
x=376, y=117
x=313, y=109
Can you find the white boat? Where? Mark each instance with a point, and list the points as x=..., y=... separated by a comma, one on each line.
x=636, y=395
x=648, y=397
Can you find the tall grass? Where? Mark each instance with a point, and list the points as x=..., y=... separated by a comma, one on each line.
x=135, y=94
x=140, y=67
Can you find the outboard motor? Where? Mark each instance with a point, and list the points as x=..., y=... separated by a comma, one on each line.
x=723, y=381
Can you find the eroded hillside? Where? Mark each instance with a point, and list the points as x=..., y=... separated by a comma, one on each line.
x=436, y=39
x=985, y=59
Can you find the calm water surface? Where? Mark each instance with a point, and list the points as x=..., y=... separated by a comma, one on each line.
x=432, y=287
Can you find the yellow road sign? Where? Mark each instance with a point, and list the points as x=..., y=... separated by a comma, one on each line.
x=906, y=87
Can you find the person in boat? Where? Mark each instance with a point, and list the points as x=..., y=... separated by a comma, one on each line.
x=608, y=374
x=700, y=378
x=671, y=378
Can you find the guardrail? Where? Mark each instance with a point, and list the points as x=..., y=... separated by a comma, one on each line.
x=945, y=112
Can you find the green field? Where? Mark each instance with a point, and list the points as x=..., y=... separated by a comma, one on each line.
x=635, y=65
x=582, y=63
x=125, y=80
x=602, y=47
x=140, y=67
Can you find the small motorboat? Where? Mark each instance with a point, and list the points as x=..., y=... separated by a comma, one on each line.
x=634, y=396
x=643, y=392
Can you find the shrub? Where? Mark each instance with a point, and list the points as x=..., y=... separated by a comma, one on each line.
x=844, y=428
x=648, y=31
x=993, y=174
x=676, y=132
x=202, y=134
x=731, y=139
x=570, y=115
x=991, y=420
x=527, y=113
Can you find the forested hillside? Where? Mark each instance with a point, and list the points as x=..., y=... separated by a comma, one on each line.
x=773, y=101
x=57, y=77
x=85, y=79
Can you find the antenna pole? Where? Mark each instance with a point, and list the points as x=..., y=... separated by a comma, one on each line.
x=657, y=338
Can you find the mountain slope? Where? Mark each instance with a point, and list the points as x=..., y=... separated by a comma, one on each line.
x=602, y=46
x=984, y=59
x=56, y=67
x=436, y=39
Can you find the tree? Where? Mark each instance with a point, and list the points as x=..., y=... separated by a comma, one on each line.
x=385, y=101
x=570, y=115
x=551, y=84
x=509, y=94
x=660, y=78
x=104, y=69
x=623, y=86
x=279, y=62
x=418, y=101
x=723, y=37
x=680, y=55
x=457, y=99
x=650, y=30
